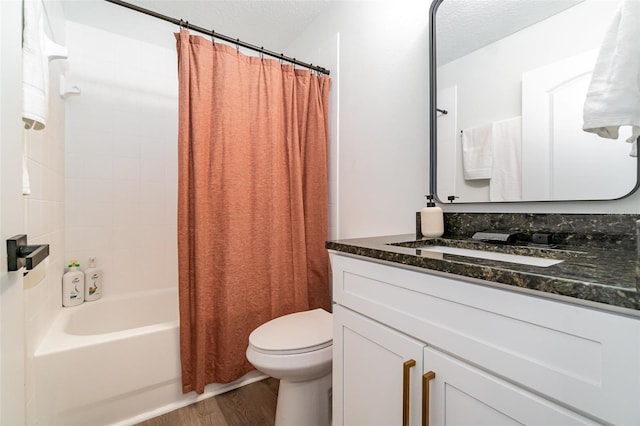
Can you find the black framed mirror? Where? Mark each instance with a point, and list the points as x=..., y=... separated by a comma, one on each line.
x=508, y=83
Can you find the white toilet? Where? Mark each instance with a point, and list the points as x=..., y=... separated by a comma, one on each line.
x=297, y=350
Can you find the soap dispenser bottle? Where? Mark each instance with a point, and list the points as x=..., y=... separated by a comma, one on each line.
x=431, y=219
x=73, y=285
x=92, y=281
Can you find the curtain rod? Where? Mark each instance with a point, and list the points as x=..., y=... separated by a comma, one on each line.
x=212, y=33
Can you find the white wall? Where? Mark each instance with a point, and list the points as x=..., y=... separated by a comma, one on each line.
x=121, y=157
x=379, y=166
x=12, y=340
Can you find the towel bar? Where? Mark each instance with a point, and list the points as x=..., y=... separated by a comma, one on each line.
x=20, y=254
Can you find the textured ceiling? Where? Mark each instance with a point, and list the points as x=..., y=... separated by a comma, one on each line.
x=462, y=25
x=272, y=24
x=466, y=25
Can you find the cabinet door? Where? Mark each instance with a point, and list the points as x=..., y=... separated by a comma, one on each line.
x=368, y=370
x=464, y=395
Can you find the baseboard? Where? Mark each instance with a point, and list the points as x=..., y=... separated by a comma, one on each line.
x=210, y=390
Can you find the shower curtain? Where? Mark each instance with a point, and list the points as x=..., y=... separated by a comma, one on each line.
x=252, y=202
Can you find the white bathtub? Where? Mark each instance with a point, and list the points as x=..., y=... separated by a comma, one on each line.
x=114, y=360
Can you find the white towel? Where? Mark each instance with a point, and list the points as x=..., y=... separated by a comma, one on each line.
x=613, y=98
x=37, y=51
x=477, y=159
x=35, y=70
x=506, y=178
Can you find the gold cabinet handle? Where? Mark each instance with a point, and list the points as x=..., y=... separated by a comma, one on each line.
x=426, y=378
x=406, y=381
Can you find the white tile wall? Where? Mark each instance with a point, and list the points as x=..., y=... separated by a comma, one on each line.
x=121, y=158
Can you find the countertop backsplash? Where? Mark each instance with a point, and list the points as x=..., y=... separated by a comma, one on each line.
x=615, y=231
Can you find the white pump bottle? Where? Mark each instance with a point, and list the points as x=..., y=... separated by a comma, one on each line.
x=73, y=285
x=93, y=281
x=431, y=219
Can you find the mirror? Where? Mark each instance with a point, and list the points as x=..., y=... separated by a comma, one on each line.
x=508, y=83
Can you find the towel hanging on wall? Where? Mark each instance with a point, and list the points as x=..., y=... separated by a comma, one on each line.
x=37, y=51
x=477, y=157
x=506, y=176
x=613, y=98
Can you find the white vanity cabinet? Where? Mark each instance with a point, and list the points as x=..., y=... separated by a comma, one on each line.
x=499, y=357
x=371, y=361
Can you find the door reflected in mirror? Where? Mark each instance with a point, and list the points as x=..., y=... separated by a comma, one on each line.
x=511, y=79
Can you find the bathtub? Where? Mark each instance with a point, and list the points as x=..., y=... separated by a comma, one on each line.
x=113, y=361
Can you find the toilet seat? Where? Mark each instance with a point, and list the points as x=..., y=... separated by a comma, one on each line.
x=296, y=333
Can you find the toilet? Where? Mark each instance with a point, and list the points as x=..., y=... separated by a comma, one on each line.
x=297, y=350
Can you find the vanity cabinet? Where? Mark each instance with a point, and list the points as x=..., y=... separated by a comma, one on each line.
x=375, y=363
x=499, y=356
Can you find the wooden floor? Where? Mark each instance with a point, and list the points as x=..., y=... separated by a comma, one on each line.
x=254, y=404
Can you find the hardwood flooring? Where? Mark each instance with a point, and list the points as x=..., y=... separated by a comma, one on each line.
x=251, y=405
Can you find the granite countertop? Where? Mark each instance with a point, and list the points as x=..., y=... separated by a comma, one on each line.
x=604, y=275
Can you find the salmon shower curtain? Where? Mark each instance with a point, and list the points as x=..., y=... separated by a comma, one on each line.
x=252, y=202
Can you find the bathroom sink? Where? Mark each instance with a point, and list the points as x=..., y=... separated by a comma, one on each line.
x=491, y=255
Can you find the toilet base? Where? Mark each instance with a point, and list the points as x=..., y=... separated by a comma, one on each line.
x=304, y=403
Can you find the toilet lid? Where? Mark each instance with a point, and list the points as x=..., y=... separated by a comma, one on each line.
x=294, y=333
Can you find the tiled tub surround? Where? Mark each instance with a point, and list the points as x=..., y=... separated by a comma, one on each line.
x=599, y=253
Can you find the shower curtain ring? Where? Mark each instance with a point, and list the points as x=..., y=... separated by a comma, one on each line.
x=213, y=36
x=262, y=53
x=237, y=45
x=281, y=59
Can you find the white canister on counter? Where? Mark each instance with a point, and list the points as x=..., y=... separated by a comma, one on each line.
x=431, y=219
